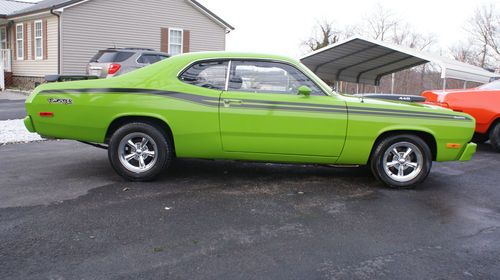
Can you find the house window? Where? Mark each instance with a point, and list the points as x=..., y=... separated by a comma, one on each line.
x=20, y=41
x=3, y=38
x=175, y=41
x=38, y=40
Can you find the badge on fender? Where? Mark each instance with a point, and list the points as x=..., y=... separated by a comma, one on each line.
x=65, y=101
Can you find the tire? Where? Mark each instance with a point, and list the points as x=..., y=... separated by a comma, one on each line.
x=480, y=138
x=495, y=137
x=139, y=151
x=415, y=167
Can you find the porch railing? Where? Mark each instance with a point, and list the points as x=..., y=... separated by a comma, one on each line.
x=6, y=60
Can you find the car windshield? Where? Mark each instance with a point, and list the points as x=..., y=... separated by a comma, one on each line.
x=493, y=85
x=111, y=56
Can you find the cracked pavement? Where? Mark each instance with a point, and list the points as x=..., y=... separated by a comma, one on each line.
x=64, y=214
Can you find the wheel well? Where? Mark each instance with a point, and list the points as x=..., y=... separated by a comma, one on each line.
x=158, y=123
x=427, y=137
x=492, y=126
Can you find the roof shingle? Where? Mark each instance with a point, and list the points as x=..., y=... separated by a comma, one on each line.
x=10, y=6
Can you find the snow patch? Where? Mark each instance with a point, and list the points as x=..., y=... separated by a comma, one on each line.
x=14, y=131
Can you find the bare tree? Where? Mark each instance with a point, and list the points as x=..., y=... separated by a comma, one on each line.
x=324, y=34
x=484, y=30
x=466, y=52
x=405, y=36
x=380, y=23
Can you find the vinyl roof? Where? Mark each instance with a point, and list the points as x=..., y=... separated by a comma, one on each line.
x=366, y=61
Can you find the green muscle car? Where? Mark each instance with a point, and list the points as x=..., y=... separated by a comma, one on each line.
x=219, y=105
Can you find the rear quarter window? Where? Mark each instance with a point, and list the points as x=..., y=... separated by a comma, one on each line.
x=211, y=74
x=111, y=56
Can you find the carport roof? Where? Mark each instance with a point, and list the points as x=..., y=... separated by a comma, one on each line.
x=362, y=60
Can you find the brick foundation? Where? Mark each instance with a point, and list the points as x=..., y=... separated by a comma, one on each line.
x=25, y=83
x=8, y=79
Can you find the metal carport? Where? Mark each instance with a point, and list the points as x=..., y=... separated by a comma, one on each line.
x=365, y=61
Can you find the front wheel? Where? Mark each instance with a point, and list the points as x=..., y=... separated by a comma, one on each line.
x=139, y=151
x=495, y=137
x=401, y=161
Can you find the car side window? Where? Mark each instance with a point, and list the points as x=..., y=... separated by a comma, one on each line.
x=210, y=74
x=268, y=77
x=491, y=86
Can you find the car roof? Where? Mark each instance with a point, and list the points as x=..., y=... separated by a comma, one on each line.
x=235, y=55
x=135, y=50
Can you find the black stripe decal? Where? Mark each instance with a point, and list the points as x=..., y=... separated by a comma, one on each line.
x=265, y=104
x=398, y=111
x=445, y=117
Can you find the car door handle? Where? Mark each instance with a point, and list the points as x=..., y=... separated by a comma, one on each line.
x=228, y=102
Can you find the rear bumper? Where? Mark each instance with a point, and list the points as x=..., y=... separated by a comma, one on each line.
x=29, y=124
x=469, y=151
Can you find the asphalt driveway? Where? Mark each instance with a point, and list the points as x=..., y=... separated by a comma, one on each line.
x=64, y=214
x=12, y=106
x=12, y=109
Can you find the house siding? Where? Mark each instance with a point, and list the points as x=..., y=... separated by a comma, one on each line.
x=31, y=67
x=101, y=24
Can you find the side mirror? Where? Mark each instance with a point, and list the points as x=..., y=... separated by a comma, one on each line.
x=305, y=90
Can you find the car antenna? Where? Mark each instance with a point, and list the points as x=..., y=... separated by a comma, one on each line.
x=362, y=96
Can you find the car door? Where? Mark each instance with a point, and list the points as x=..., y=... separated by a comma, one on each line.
x=261, y=112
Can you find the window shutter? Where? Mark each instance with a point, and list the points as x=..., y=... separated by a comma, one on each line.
x=186, y=40
x=33, y=40
x=45, y=39
x=25, y=35
x=14, y=42
x=164, y=40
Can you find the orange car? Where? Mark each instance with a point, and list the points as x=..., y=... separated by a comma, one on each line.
x=483, y=103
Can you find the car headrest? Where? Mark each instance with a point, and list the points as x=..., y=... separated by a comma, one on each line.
x=235, y=82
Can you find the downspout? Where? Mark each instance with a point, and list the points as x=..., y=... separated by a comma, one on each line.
x=59, y=43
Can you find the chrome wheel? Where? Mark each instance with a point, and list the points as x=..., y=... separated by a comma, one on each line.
x=403, y=161
x=137, y=152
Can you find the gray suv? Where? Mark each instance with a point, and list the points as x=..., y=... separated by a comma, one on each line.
x=118, y=61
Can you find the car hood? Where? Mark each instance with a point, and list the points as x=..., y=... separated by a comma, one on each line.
x=350, y=99
x=379, y=104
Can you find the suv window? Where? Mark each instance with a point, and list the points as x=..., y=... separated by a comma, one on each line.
x=211, y=74
x=150, y=58
x=269, y=77
x=111, y=56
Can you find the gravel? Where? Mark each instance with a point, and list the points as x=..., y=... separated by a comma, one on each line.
x=14, y=131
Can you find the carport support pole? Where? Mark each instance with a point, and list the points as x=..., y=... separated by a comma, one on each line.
x=392, y=82
x=444, y=84
x=357, y=88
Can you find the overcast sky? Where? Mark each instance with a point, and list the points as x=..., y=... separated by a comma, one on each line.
x=279, y=26
x=273, y=26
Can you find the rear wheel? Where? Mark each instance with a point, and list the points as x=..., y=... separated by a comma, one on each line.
x=139, y=151
x=495, y=137
x=401, y=161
